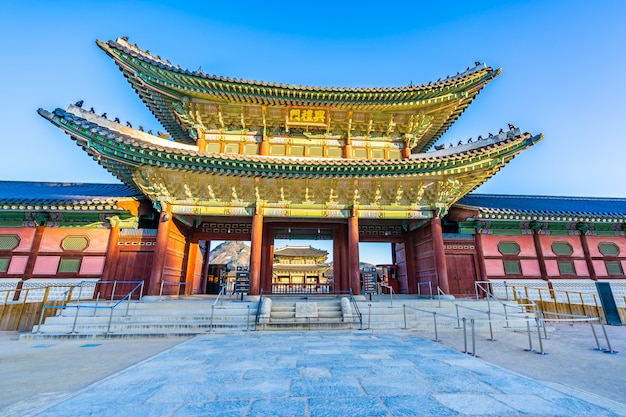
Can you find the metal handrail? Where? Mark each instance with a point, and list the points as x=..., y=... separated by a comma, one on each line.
x=472, y=323
x=219, y=294
x=178, y=284
x=381, y=285
x=430, y=288
x=78, y=306
x=356, y=309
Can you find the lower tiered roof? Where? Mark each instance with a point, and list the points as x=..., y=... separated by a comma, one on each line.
x=182, y=175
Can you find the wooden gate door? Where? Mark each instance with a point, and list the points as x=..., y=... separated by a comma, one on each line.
x=461, y=274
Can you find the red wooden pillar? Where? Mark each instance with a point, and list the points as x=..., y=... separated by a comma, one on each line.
x=585, y=245
x=353, y=254
x=256, y=243
x=160, y=252
x=190, y=275
x=480, y=255
x=440, y=255
x=112, y=256
x=267, y=258
x=205, y=266
x=338, y=256
x=540, y=258
x=32, y=258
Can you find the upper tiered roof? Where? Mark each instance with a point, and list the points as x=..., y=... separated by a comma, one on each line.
x=188, y=101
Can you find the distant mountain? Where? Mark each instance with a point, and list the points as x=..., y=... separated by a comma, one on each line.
x=233, y=253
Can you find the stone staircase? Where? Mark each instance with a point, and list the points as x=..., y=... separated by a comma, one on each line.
x=305, y=313
x=194, y=315
x=152, y=317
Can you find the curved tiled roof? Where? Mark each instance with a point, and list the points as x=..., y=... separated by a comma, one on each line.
x=123, y=45
x=26, y=192
x=61, y=197
x=520, y=207
x=300, y=251
x=163, y=87
x=121, y=149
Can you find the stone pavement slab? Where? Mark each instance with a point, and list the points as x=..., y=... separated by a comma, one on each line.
x=339, y=373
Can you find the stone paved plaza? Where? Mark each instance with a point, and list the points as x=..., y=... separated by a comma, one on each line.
x=316, y=374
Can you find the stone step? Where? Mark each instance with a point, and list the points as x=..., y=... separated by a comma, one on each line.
x=160, y=318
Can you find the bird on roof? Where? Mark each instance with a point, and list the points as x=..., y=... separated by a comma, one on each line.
x=141, y=128
x=480, y=137
x=460, y=143
x=511, y=126
x=79, y=103
x=117, y=120
x=92, y=110
x=469, y=140
x=104, y=114
x=501, y=131
x=477, y=63
x=129, y=125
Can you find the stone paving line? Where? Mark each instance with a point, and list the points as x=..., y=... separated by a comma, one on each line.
x=320, y=374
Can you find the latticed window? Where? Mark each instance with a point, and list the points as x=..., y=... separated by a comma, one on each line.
x=4, y=264
x=75, y=243
x=608, y=249
x=566, y=268
x=508, y=248
x=562, y=248
x=9, y=242
x=512, y=268
x=614, y=268
x=69, y=265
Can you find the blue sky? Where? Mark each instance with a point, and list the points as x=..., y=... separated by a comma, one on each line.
x=563, y=72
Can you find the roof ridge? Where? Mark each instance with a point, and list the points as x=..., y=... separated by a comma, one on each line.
x=122, y=43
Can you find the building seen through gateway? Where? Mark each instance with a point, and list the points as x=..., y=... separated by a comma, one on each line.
x=256, y=161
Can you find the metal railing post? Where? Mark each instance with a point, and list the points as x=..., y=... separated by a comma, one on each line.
x=530, y=340
x=539, y=336
x=606, y=336
x=75, y=320
x=473, y=338
x=161, y=291
x=464, y=335
x=506, y=316
x=248, y=320
x=113, y=290
x=435, y=321
x=211, y=321
x=97, y=301
x=110, y=319
x=43, y=309
x=369, y=315
x=458, y=323
x=593, y=330
x=490, y=326
x=404, y=313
